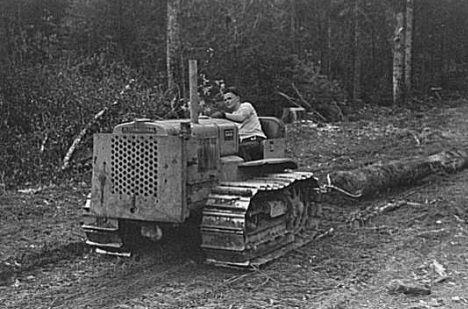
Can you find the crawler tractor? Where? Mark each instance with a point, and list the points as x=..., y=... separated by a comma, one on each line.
x=148, y=175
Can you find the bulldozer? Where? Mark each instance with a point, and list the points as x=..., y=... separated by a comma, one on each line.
x=149, y=175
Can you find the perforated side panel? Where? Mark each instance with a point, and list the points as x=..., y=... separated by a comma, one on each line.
x=134, y=165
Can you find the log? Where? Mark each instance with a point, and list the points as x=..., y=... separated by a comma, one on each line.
x=374, y=178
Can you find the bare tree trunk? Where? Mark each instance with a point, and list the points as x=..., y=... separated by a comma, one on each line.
x=357, y=53
x=22, y=42
x=294, y=26
x=329, y=44
x=408, y=46
x=398, y=59
x=173, y=44
x=4, y=39
x=293, y=19
x=120, y=28
x=325, y=56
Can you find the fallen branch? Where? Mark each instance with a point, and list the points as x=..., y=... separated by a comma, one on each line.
x=430, y=232
x=328, y=232
x=290, y=99
x=304, y=101
x=88, y=128
x=237, y=278
x=407, y=288
x=460, y=220
x=307, y=104
x=44, y=142
x=360, y=218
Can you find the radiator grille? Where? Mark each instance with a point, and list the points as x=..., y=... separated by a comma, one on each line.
x=134, y=165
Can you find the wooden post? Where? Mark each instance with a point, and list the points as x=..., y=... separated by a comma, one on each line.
x=193, y=85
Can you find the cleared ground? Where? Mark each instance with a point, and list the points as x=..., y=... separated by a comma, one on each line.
x=45, y=264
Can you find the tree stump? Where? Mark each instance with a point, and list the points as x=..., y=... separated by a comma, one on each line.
x=293, y=114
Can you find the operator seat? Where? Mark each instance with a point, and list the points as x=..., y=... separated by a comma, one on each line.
x=274, y=146
x=272, y=127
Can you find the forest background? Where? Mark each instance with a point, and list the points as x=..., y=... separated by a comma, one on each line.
x=63, y=61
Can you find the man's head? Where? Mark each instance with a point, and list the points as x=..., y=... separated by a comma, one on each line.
x=232, y=99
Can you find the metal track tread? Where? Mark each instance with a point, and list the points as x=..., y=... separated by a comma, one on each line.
x=253, y=229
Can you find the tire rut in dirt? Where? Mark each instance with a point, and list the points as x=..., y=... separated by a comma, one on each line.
x=152, y=265
x=46, y=256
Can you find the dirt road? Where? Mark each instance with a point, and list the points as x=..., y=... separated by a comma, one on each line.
x=423, y=244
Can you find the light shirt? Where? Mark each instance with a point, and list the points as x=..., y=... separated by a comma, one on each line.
x=251, y=126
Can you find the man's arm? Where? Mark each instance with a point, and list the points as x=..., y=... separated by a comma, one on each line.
x=243, y=113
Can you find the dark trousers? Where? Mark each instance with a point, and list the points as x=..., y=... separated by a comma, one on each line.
x=251, y=148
